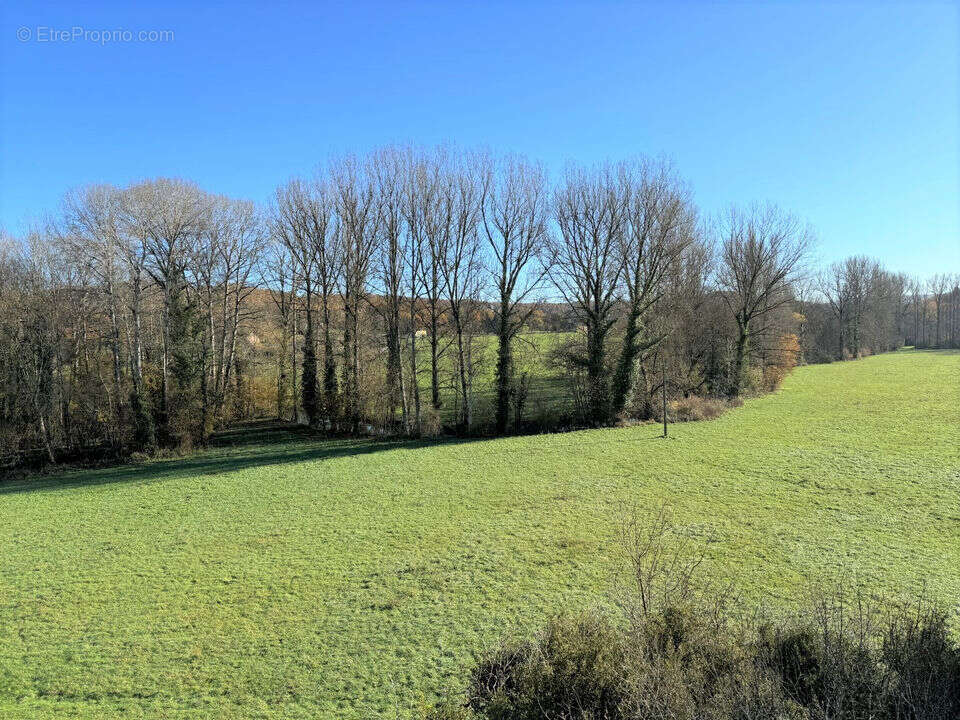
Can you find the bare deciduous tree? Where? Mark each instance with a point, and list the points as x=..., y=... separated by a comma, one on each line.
x=834, y=288
x=292, y=224
x=660, y=226
x=91, y=225
x=419, y=206
x=389, y=177
x=587, y=264
x=515, y=212
x=169, y=212
x=359, y=231
x=230, y=243
x=459, y=260
x=435, y=220
x=762, y=248
x=938, y=286
x=281, y=284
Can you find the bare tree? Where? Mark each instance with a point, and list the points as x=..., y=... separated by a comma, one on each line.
x=689, y=320
x=292, y=226
x=37, y=346
x=515, y=210
x=591, y=212
x=938, y=287
x=388, y=175
x=660, y=225
x=281, y=284
x=435, y=222
x=169, y=213
x=899, y=289
x=833, y=285
x=762, y=250
x=359, y=231
x=460, y=263
x=132, y=241
x=324, y=237
x=419, y=204
x=954, y=323
x=230, y=245
x=857, y=273
x=90, y=225
x=916, y=301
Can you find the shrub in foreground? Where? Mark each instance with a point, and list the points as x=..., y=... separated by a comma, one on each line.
x=677, y=652
x=574, y=663
x=824, y=664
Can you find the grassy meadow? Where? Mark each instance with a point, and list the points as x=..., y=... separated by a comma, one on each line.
x=279, y=576
x=548, y=395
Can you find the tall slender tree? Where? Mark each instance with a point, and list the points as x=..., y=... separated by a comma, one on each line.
x=515, y=213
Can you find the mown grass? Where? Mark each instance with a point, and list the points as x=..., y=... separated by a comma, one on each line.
x=283, y=577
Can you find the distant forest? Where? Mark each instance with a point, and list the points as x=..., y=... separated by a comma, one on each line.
x=387, y=293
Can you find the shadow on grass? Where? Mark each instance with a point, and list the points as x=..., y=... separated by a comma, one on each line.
x=250, y=445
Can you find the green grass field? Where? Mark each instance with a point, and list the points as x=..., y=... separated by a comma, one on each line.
x=280, y=577
x=548, y=392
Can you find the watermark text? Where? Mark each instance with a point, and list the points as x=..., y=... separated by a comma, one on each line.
x=96, y=36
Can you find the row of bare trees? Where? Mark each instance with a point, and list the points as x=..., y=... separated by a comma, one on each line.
x=417, y=248
x=153, y=314
x=874, y=310
x=444, y=246
x=934, y=309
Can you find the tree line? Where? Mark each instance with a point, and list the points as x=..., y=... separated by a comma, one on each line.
x=371, y=296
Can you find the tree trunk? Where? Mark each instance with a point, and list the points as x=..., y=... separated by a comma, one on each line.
x=308, y=375
x=204, y=396
x=597, y=382
x=293, y=365
x=843, y=337
x=282, y=358
x=330, y=405
x=346, y=380
x=434, y=357
x=164, y=381
x=739, y=367
x=115, y=345
x=623, y=377
x=504, y=373
x=395, y=394
x=355, y=365
x=45, y=434
x=463, y=368
x=414, y=382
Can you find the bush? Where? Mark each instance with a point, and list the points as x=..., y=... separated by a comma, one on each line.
x=696, y=407
x=781, y=363
x=923, y=664
x=678, y=654
x=682, y=665
x=431, y=423
x=588, y=668
x=573, y=668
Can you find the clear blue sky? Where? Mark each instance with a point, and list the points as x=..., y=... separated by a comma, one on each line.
x=846, y=114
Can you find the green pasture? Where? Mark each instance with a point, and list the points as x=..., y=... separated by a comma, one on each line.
x=282, y=576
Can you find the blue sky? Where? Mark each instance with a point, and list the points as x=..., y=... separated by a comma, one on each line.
x=846, y=114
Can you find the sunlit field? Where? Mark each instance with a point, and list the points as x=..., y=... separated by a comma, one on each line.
x=549, y=394
x=281, y=576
